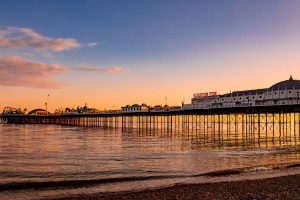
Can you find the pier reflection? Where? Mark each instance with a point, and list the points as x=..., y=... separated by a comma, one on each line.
x=221, y=131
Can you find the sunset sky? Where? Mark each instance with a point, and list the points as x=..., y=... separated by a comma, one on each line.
x=112, y=53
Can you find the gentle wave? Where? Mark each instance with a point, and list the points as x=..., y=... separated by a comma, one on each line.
x=259, y=168
x=75, y=183
x=92, y=182
x=33, y=174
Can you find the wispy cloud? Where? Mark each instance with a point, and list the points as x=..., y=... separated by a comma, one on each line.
x=113, y=70
x=92, y=44
x=19, y=38
x=47, y=55
x=17, y=71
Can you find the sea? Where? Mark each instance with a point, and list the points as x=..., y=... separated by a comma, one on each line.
x=54, y=161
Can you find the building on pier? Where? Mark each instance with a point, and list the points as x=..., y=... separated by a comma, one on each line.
x=39, y=111
x=11, y=110
x=282, y=93
x=160, y=108
x=136, y=108
x=79, y=110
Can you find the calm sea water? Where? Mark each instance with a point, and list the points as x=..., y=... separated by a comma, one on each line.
x=50, y=161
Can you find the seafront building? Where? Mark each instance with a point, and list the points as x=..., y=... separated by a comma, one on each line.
x=282, y=93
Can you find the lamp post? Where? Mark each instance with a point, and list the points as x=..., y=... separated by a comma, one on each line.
x=46, y=102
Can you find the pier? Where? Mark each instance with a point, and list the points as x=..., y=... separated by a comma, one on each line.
x=252, y=124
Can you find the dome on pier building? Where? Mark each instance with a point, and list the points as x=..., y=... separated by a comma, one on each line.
x=287, y=84
x=38, y=112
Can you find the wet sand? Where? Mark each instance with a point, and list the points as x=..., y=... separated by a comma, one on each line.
x=286, y=187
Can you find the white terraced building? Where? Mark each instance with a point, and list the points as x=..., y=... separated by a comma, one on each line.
x=282, y=93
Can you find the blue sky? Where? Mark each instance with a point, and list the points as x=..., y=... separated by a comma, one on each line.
x=141, y=30
x=168, y=47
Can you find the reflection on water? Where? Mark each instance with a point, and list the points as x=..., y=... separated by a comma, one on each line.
x=71, y=160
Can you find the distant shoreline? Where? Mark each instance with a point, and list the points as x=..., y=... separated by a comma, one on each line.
x=284, y=187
